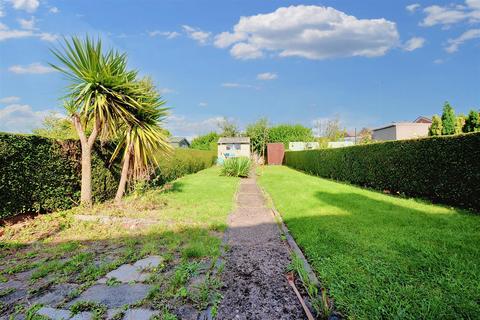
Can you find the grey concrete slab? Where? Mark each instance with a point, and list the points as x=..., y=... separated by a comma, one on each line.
x=148, y=262
x=54, y=314
x=83, y=316
x=138, y=314
x=114, y=296
x=125, y=274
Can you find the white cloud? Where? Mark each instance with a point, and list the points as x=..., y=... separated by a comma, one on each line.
x=414, y=44
x=164, y=91
x=45, y=36
x=438, y=61
x=9, y=100
x=203, y=104
x=54, y=10
x=311, y=32
x=27, y=24
x=21, y=118
x=197, y=34
x=2, y=13
x=182, y=126
x=6, y=33
x=34, y=68
x=166, y=34
x=412, y=7
x=454, y=44
x=451, y=14
x=237, y=85
x=27, y=5
x=267, y=76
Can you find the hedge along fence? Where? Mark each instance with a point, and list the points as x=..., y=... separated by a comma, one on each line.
x=41, y=175
x=442, y=169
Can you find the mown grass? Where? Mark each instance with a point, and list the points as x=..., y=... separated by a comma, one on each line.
x=382, y=257
x=185, y=224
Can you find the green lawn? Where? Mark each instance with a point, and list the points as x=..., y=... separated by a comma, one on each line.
x=187, y=218
x=382, y=257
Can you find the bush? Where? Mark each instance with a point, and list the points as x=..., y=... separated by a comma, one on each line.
x=236, y=167
x=442, y=169
x=182, y=162
x=42, y=175
x=39, y=174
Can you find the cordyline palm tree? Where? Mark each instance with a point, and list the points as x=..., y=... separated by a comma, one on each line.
x=144, y=141
x=101, y=93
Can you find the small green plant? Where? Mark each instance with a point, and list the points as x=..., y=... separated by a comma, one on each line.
x=111, y=282
x=236, y=167
x=97, y=309
x=6, y=292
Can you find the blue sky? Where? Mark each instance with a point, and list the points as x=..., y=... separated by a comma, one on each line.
x=366, y=62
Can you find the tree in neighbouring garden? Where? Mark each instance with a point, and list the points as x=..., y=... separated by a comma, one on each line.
x=99, y=95
x=472, y=122
x=55, y=127
x=287, y=133
x=436, y=126
x=459, y=123
x=205, y=142
x=142, y=141
x=258, y=134
x=365, y=135
x=228, y=128
x=448, y=119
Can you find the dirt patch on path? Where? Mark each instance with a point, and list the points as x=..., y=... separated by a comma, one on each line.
x=254, y=274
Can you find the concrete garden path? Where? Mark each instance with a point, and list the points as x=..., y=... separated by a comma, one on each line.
x=254, y=280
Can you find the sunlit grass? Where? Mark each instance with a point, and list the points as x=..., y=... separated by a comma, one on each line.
x=185, y=224
x=380, y=256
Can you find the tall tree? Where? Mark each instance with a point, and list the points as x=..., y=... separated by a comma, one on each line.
x=448, y=119
x=142, y=141
x=459, y=123
x=99, y=95
x=55, y=127
x=472, y=123
x=436, y=126
x=228, y=128
x=258, y=133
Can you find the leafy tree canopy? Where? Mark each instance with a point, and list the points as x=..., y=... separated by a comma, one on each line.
x=228, y=128
x=287, y=133
x=448, y=119
x=436, y=126
x=258, y=133
x=472, y=122
x=206, y=142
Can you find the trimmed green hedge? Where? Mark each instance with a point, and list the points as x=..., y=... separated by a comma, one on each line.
x=42, y=175
x=39, y=174
x=182, y=162
x=441, y=169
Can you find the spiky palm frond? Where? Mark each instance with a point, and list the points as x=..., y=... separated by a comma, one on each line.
x=101, y=87
x=144, y=140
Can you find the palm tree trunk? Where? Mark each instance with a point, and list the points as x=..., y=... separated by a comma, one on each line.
x=86, y=188
x=124, y=177
x=87, y=145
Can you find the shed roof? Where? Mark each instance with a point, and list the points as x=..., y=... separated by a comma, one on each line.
x=177, y=139
x=225, y=140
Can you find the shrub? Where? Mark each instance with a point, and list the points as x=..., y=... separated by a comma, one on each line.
x=442, y=169
x=206, y=142
x=287, y=133
x=39, y=174
x=42, y=175
x=182, y=162
x=236, y=167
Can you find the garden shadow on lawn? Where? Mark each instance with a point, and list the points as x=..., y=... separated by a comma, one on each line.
x=382, y=259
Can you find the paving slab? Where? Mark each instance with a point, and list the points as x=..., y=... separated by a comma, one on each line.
x=125, y=274
x=114, y=296
x=148, y=262
x=54, y=314
x=249, y=188
x=55, y=295
x=83, y=316
x=138, y=314
x=250, y=200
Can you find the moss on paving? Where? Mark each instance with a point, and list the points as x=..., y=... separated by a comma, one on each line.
x=380, y=256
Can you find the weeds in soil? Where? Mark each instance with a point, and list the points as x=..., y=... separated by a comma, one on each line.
x=319, y=303
x=97, y=309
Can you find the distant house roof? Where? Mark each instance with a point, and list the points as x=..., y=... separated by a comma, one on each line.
x=177, y=139
x=423, y=119
x=234, y=140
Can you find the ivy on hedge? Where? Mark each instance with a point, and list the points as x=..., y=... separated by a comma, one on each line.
x=42, y=175
x=442, y=169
